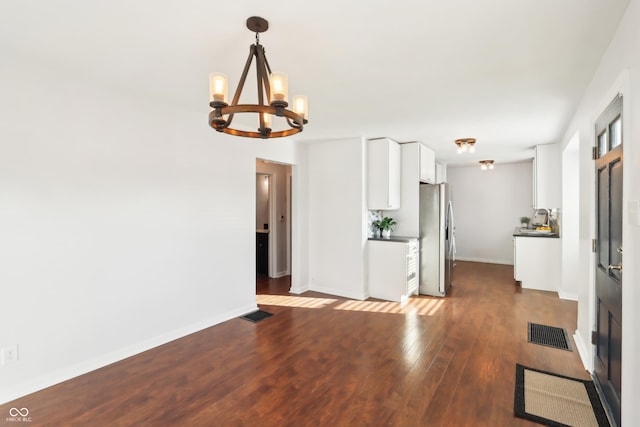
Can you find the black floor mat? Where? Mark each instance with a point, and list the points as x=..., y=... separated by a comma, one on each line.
x=549, y=336
x=256, y=316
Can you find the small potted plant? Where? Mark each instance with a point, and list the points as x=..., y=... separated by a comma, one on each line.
x=385, y=225
x=524, y=221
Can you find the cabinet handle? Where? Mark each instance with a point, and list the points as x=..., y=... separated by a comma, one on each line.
x=615, y=267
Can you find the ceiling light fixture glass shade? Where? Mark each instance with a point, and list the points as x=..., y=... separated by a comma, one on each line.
x=273, y=96
x=466, y=145
x=486, y=165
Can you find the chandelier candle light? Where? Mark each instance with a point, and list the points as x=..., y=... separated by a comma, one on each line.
x=272, y=88
x=466, y=145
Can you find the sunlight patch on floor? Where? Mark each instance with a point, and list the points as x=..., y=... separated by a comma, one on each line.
x=289, y=301
x=424, y=306
x=420, y=306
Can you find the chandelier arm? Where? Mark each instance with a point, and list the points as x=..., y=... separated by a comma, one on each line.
x=266, y=63
x=243, y=77
x=260, y=80
x=264, y=72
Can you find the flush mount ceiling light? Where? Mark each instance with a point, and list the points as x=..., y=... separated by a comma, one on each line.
x=272, y=96
x=466, y=145
x=486, y=164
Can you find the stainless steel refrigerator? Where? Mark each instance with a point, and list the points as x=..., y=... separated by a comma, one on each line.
x=437, y=240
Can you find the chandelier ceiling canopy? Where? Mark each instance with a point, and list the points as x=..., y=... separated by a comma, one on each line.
x=272, y=96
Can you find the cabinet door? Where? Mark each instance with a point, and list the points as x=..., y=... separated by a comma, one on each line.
x=383, y=175
x=537, y=263
x=395, y=161
x=427, y=165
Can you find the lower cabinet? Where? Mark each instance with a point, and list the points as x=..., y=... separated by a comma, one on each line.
x=393, y=269
x=537, y=262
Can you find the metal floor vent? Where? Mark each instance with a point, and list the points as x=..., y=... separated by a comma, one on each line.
x=549, y=336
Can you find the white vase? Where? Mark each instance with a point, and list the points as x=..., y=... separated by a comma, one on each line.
x=386, y=234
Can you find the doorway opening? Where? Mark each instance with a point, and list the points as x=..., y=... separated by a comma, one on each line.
x=273, y=227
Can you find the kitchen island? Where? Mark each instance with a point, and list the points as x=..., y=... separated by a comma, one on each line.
x=537, y=259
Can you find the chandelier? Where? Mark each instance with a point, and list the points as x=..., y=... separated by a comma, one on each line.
x=486, y=164
x=466, y=145
x=272, y=96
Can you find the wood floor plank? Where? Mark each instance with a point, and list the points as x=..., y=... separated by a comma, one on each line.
x=322, y=360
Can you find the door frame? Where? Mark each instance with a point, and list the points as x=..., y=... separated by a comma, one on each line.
x=275, y=225
x=608, y=283
x=621, y=86
x=270, y=192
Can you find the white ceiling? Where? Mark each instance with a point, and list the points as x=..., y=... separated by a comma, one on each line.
x=509, y=73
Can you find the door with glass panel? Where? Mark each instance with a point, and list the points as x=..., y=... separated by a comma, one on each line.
x=608, y=342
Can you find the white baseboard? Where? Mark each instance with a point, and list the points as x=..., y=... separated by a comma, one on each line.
x=297, y=289
x=583, y=351
x=485, y=260
x=281, y=274
x=47, y=380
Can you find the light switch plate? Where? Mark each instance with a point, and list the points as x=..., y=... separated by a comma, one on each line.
x=9, y=354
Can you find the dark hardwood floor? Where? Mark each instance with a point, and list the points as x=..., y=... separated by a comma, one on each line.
x=322, y=360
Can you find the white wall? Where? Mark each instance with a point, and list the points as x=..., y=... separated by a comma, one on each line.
x=337, y=217
x=619, y=71
x=487, y=207
x=124, y=223
x=570, y=219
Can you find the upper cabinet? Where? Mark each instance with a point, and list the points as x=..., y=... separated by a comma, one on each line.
x=383, y=172
x=547, y=177
x=440, y=173
x=427, y=164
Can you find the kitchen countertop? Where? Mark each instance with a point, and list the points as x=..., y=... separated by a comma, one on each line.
x=402, y=239
x=532, y=233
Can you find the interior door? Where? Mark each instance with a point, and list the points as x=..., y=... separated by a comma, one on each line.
x=608, y=354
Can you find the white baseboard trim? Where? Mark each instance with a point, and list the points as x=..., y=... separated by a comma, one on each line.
x=485, y=260
x=584, y=353
x=281, y=274
x=339, y=292
x=568, y=296
x=19, y=390
x=298, y=289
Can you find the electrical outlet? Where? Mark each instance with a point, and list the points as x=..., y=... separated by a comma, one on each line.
x=10, y=354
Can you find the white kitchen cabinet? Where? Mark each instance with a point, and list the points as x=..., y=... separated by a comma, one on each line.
x=413, y=160
x=547, y=177
x=440, y=173
x=427, y=164
x=383, y=174
x=537, y=263
x=393, y=269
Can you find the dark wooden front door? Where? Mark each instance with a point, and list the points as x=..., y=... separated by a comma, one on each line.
x=608, y=355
